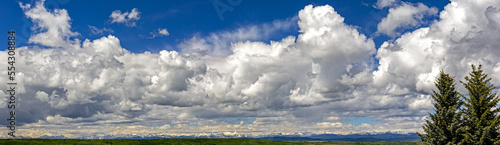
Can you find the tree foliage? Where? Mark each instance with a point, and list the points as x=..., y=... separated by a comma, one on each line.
x=481, y=118
x=445, y=127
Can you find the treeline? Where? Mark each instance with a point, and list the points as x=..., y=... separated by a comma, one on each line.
x=459, y=119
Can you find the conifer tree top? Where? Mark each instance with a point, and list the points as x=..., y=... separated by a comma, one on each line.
x=480, y=115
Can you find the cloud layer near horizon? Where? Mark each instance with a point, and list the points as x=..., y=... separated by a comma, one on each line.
x=313, y=81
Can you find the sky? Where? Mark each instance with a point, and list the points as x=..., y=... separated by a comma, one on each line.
x=95, y=68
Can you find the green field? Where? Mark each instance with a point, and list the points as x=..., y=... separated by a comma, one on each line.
x=182, y=142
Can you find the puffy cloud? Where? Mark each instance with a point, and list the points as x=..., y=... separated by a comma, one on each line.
x=52, y=28
x=402, y=82
x=423, y=102
x=42, y=96
x=218, y=43
x=313, y=80
x=457, y=40
x=99, y=77
x=409, y=65
x=404, y=16
x=99, y=80
x=326, y=39
x=129, y=18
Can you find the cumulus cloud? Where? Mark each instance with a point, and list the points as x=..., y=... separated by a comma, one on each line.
x=219, y=43
x=101, y=77
x=457, y=40
x=312, y=81
x=96, y=31
x=403, y=17
x=51, y=28
x=129, y=18
x=42, y=96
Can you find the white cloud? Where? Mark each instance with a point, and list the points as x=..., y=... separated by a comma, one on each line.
x=157, y=33
x=464, y=35
x=385, y=3
x=422, y=103
x=218, y=43
x=99, y=77
x=52, y=28
x=42, y=96
x=404, y=16
x=129, y=18
x=102, y=77
x=96, y=31
x=308, y=81
x=163, y=32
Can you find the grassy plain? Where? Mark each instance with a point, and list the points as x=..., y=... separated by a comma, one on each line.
x=182, y=142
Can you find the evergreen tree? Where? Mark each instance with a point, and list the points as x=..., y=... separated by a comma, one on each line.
x=446, y=121
x=480, y=116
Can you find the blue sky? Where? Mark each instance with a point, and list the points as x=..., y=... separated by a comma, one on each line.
x=184, y=20
x=183, y=68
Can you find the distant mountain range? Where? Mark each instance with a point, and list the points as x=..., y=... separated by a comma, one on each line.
x=362, y=137
x=365, y=137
